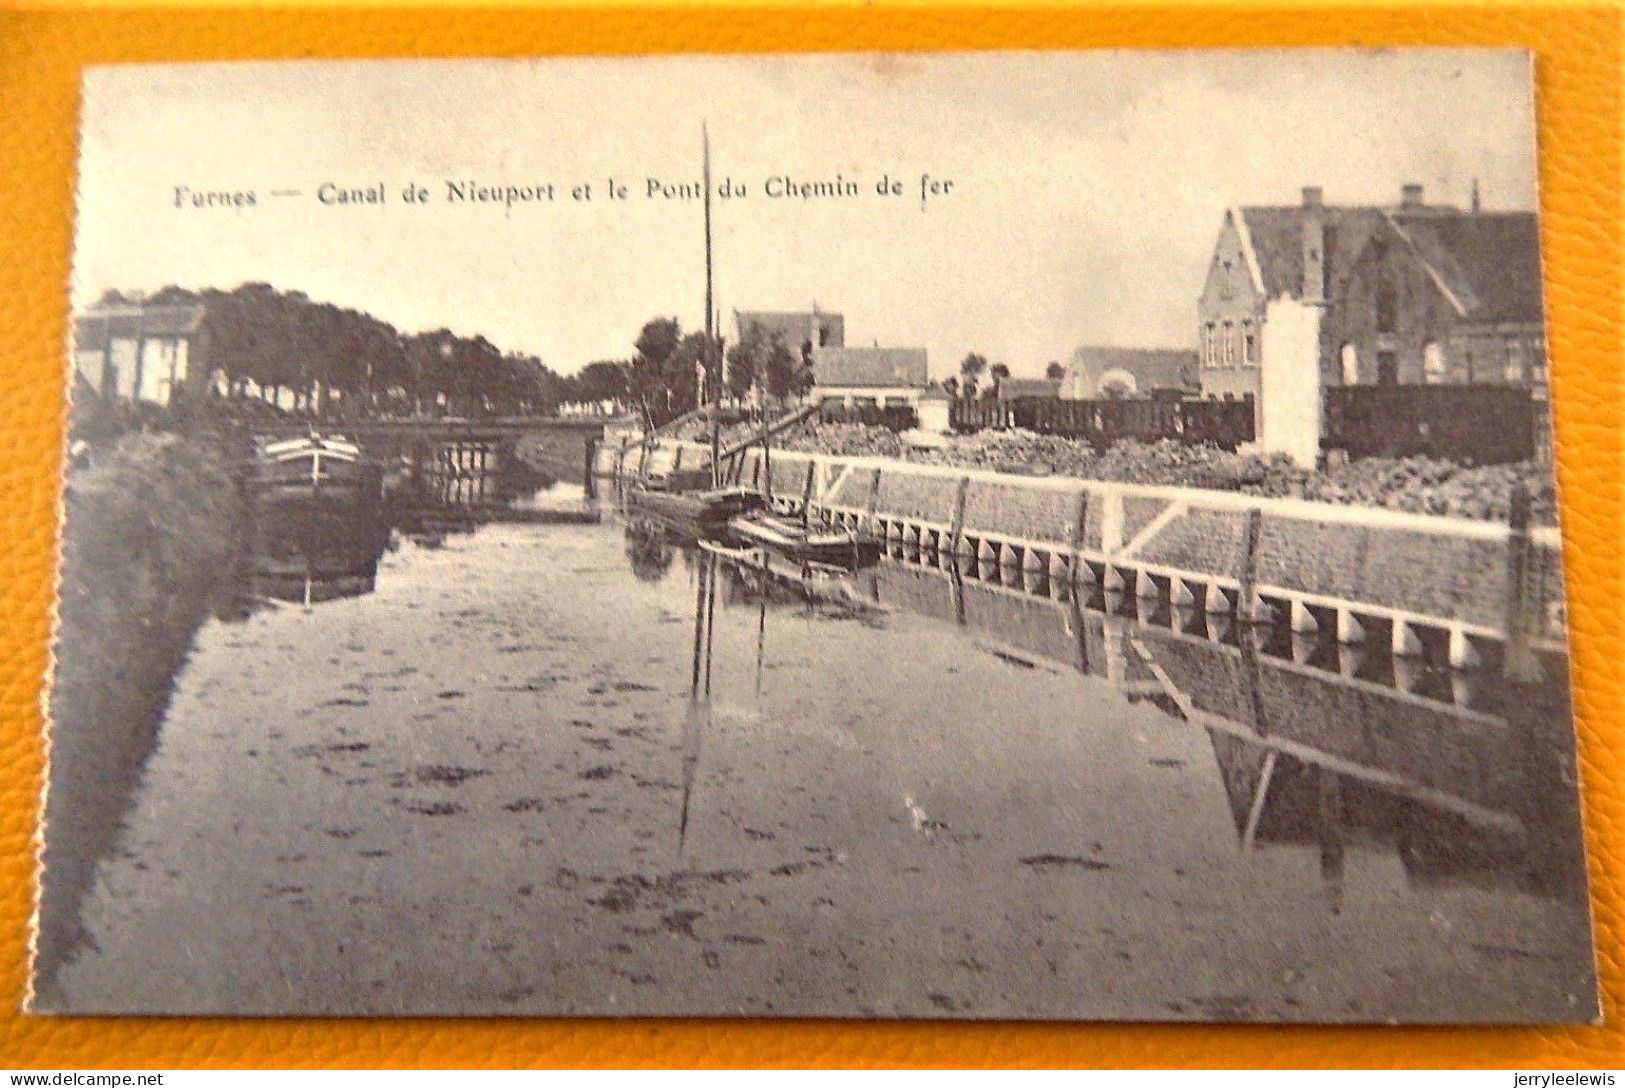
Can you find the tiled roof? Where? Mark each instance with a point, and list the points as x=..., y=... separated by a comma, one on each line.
x=1489, y=262
x=1277, y=240
x=93, y=329
x=795, y=328
x=1153, y=368
x=869, y=367
x=1014, y=388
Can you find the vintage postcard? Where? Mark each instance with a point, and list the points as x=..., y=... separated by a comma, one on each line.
x=1023, y=535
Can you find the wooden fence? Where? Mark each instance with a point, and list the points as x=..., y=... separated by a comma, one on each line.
x=1477, y=424
x=1223, y=423
x=892, y=417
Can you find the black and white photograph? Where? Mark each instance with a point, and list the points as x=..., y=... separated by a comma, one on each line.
x=962, y=536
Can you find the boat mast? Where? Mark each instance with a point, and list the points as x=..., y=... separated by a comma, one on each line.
x=713, y=368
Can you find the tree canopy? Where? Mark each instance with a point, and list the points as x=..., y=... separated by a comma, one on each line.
x=667, y=373
x=970, y=369
x=767, y=360
x=269, y=343
x=266, y=341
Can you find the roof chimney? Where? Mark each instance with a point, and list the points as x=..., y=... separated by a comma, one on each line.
x=1410, y=196
x=1313, y=197
x=1314, y=255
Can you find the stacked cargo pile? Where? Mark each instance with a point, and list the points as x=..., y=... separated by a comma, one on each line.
x=1415, y=484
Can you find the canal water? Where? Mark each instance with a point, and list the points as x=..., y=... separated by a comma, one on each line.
x=578, y=765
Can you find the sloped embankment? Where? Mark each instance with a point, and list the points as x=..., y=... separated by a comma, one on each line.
x=151, y=544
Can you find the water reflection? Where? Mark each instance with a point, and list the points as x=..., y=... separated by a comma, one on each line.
x=466, y=473
x=309, y=552
x=649, y=549
x=699, y=703
x=1320, y=750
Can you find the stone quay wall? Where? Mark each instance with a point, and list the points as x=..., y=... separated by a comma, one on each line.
x=1439, y=587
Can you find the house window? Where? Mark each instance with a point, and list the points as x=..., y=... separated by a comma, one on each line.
x=1387, y=306
x=1515, y=363
x=1433, y=372
x=1228, y=345
x=1224, y=281
x=1249, y=343
x=1210, y=358
x=1537, y=363
x=1351, y=365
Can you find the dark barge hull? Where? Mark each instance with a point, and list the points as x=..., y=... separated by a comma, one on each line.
x=831, y=547
x=707, y=513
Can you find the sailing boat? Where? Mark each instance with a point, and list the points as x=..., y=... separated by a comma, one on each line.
x=705, y=511
x=798, y=539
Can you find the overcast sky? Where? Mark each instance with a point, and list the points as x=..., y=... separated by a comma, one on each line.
x=1087, y=188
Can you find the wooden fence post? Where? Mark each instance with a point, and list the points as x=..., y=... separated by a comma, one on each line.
x=1075, y=544
x=807, y=493
x=956, y=523
x=1247, y=603
x=1519, y=664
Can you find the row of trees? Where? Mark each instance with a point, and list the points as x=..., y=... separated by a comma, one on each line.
x=282, y=345
x=670, y=370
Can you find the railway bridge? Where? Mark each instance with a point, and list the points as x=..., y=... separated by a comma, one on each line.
x=563, y=445
x=465, y=454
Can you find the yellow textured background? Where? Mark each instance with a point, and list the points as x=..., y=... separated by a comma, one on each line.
x=42, y=48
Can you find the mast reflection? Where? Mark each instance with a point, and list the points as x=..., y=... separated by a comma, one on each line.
x=1316, y=749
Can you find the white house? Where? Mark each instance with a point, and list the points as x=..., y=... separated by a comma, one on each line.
x=139, y=352
x=879, y=376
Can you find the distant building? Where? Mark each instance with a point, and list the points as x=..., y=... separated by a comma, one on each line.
x=1095, y=372
x=1441, y=299
x=1027, y=388
x=140, y=351
x=859, y=376
x=1298, y=298
x=801, y=332
x=1271, y=276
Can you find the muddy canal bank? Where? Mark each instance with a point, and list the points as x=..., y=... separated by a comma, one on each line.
x=465, y=792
